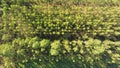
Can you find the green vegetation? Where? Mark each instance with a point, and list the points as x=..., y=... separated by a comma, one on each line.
x=60, y=33
x=38, y=53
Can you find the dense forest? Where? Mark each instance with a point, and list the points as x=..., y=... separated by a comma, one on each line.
x=60, y=33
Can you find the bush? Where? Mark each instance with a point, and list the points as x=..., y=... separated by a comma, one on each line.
x=91, y=53
x=57, y=22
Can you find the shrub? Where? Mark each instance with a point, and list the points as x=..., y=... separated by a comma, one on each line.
x=90, y=52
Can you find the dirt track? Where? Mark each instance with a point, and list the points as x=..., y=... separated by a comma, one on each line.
x=1, y=66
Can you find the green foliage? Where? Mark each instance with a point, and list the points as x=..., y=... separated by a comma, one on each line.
x=89, y=52
x=46, y=22
x=55, y=47
x=60, y=33
x=44, y=43
x=6, y=50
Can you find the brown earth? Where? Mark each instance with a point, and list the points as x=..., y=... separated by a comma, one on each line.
x=1, y=66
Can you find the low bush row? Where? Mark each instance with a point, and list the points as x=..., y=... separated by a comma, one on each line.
x=56, y=22
x=65, y=2
x=34, y=52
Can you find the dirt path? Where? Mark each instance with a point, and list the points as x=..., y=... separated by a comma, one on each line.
x=1, y=66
